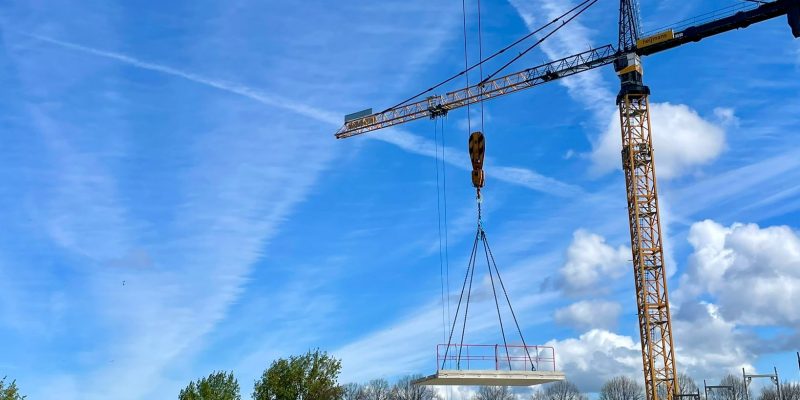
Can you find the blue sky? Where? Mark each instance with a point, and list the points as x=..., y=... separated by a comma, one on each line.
x=186, y=150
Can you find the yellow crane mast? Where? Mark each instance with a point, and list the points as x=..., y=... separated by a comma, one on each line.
x=647, y=247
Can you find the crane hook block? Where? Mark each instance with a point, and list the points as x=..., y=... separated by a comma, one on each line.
x=477, y=148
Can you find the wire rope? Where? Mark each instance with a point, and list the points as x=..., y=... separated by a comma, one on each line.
x=460, y=298
x=439, y=223
x=466, y=61
x=505, y=292
x=496, y=302
x=495, y=54
x=480, y=59
x=538, y=42
x=466, y=308
x=446, y=231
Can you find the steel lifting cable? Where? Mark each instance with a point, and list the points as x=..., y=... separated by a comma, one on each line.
x=439, y=220
x=480, y=59
x=513, y=314
x=480, y=236
x=466, y=309
x=471, y=266
x=466, y=61
x=460, y=299
x=538, y=42
x=494, y=292
x=495, y=54
x=446, y=232
x=477, y=147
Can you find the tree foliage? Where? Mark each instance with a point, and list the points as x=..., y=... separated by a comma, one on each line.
x=216, y=386
x=405, y=390
x=9, y=391
x=686, y=384
x=494, y=393
x=353, y=391
x=561, y=390
x=622, y=388
x=738, y=392
x=310, y=376
x=378, y=389
x=789, y=391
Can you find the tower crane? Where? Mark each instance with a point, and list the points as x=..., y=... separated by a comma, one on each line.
x=655, y=326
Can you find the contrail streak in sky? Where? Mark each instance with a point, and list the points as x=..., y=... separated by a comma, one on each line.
x=230, y=87
x=406, y=141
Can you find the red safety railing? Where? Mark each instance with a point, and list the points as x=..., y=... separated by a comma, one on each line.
x=495, y=357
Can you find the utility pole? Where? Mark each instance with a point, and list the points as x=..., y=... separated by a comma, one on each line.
x=710, y=388
x=772, y=377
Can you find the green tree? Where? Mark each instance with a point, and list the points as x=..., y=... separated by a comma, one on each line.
x=311, y=376
x=216, y=386
x=10, y=392
x=622, y=388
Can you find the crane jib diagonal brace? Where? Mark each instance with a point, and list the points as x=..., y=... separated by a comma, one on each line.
x=435, y=106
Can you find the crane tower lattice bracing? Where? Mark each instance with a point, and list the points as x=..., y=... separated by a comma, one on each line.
x=652, y=300
x=655, y=326
x=628, y=24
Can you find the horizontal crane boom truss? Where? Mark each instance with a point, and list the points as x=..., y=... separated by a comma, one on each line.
x=435, y=106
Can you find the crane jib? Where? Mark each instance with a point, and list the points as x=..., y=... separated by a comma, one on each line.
x=435, y=106
x=739, y=19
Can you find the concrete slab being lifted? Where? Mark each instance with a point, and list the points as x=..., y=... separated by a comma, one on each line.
x=489, y=378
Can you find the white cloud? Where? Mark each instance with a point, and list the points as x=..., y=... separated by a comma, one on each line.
x=599, y=354
x=596, y=356
x=682, y=140
x=589, y=314
x=690, y=140
x=590, y=260
x=718, y=348
x=726, y=116
x=715, y=349
x=456, y=392
x=588, y=87
x=753, y=272
x=403, y=348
